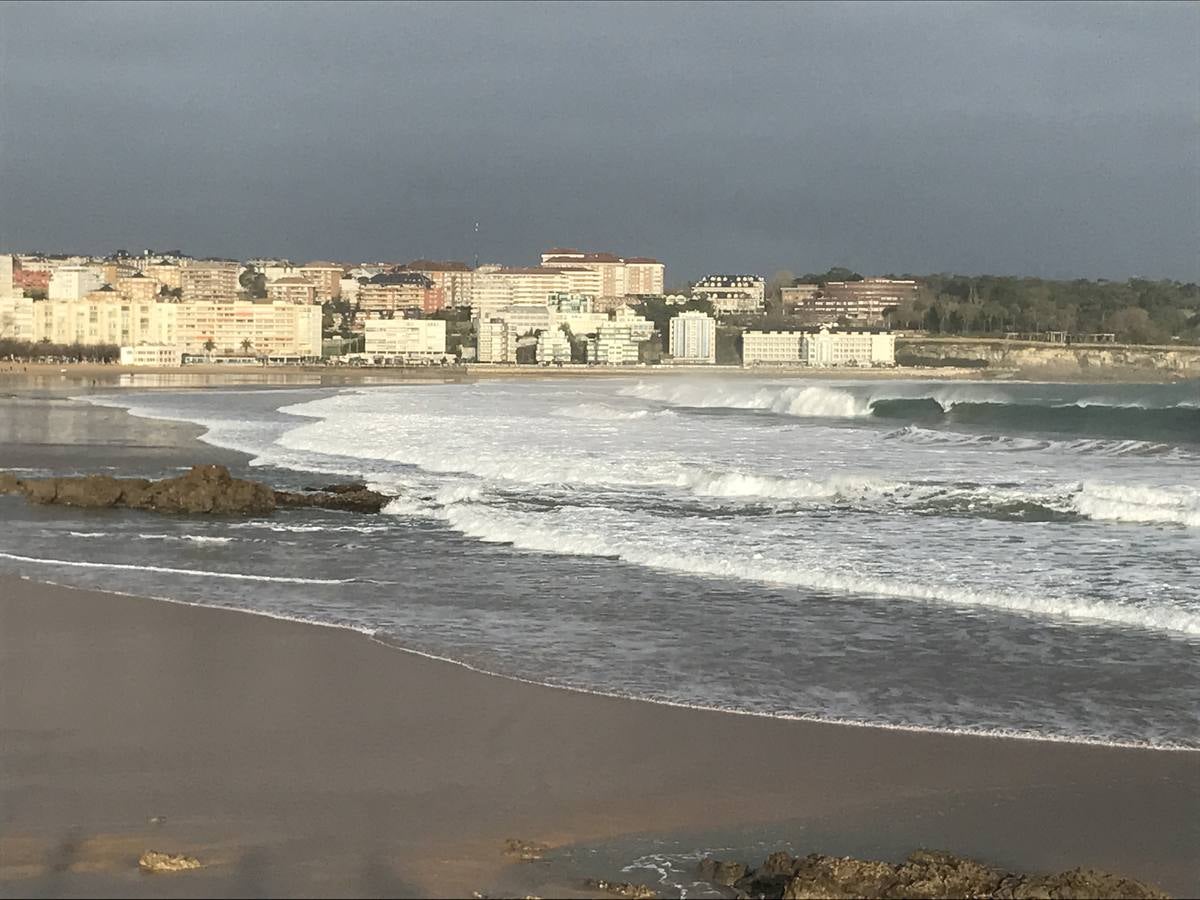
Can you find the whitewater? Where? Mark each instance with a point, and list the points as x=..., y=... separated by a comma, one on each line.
x=995, y=558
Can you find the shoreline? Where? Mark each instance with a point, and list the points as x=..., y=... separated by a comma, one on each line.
x=580, y=758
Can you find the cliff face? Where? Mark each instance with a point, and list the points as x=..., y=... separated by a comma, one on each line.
x=1028, y=358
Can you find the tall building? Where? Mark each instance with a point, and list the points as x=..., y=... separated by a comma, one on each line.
x=394, y=291
x=209, y=279
x=553, y=348
x=454, y=279
x=7, y=286
x=693, y=337
x=495, y=287
x=326, y=277
x=494, y=342
x=137, y=287
x=617, y=343
x=74, y=282
x=237, y=326
x=165, y=272
x=610, y=275
x=16, y=318
x=732, y=293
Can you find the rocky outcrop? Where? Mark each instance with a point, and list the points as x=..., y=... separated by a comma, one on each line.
x=526, y=851
x=203, y=490
x=1052, y=360
x=926, y=873
x=620, y=889
x=154, y=861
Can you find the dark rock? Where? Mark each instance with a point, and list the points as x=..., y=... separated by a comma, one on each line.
x=720, y=872
x=925, y=874
x=209, y=489
x=363, y=501
x=90, y=491
x=40, y=490
x=526, y=851
x=620, y=888
x=9, y=483
x=348, y=487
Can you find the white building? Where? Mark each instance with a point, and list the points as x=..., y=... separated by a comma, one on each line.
x=74, y=282
x=824, y=348
x=151, y=355
x=553, y=347
x=415, y=340
x=732, y=293
x=493, y=288
x=493, y=342
x=848, y=348
x=617, y=343
x=258, y=327
x=608, y=275
x=693, y=337
x=6, y=275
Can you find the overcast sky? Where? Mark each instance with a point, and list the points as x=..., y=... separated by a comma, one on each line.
x=1047, y=139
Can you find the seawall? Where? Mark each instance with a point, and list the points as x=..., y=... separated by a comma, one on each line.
x=1042, y=360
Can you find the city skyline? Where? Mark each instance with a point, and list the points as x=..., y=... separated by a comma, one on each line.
x=1007, y=139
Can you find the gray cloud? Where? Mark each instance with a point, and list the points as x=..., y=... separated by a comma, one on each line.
x=1053, y=139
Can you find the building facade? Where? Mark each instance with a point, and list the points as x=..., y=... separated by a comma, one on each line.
x=825, y=348
x=209, y=280
x=413, y=340
x=862, y=303
x=326, y=278
x=396, y=291
x=292, y=289
x=732, y=293
x=693, y=337
x=74, y=282
x=162, y=355
x=553, y=348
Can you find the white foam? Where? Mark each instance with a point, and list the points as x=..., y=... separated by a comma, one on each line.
x=1178, y=505
x=556, y=533
x=598, y=412
x=199, y=573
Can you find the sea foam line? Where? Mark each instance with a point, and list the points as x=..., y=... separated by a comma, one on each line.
x=202, y=573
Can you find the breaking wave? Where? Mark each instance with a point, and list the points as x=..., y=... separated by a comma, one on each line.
x=556, y=533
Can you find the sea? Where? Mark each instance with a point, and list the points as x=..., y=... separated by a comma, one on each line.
x=997, y=558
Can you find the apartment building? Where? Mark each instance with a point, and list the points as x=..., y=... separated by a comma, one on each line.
x=261, y=327
x=862, y=303
x=16, y=318
x=8, y=269
x=617, y=342
x=495, y=287
x=413, y=340
x=608, y=275
x=393, y=291
x=167, y=273
x=326, y=277
x=693, y=337
x=454, y=279
x=113, y=271
x=732, y=293
x=292, y=289
x=553, y=348
x=824, y=348
x=74, y=282
x=27, y=280
x=137, y=286
x=209, y=279
x=798, y=294
x=103, y=317
x=495, y=343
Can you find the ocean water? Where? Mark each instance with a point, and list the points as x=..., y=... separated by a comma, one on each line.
x=998, y=558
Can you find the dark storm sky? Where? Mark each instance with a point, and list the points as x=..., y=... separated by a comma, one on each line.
x=1044, y=139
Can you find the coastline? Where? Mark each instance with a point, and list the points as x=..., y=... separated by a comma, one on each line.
x=322, y=756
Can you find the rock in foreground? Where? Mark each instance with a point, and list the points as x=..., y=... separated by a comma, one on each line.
x=203, y=490
x=926, y=873
x=154, y=861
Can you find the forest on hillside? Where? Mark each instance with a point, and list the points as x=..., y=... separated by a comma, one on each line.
x=1137, y=311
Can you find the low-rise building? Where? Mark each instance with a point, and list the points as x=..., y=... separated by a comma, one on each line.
x=693, y=337
x=261, y=327
x=161, y=355
x=495, y=343
x=618, y=342
x=16, y=319
x=824, y=347
x=137, y=287
x=411, y=340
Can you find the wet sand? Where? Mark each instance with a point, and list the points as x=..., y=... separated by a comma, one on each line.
x=307, y=760
x=301, y=760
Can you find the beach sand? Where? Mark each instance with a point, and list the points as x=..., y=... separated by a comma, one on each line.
x=305, y=760
x=301, y=760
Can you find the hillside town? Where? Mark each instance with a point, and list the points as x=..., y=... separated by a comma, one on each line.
x=573, y=307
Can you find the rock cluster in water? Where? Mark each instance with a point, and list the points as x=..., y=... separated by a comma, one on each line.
x=926, y=873
x=203, y=490
x=156, y=861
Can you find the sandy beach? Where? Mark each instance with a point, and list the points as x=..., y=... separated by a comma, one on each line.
x=303, y=760
x=298, y=760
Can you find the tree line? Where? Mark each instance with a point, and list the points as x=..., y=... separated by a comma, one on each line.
x=1139, y=310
